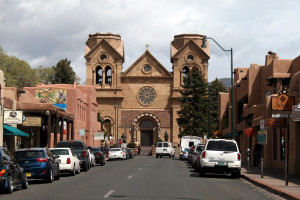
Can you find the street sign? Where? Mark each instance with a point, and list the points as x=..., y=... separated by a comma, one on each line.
x=282, y=102
x=262, y=137
x=99, y=135
x=82, y=132
x=296, y=113
x=120, y=141
x=275, y=123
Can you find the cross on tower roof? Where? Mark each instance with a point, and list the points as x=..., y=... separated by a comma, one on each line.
x=147, y=46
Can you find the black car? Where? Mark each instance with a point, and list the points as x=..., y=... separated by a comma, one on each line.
x=130, y=153
x=11, y=175
x=38, y=163
x=80, y=151
x=99, y=155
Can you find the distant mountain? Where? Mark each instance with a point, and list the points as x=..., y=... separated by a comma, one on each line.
x=226, y=82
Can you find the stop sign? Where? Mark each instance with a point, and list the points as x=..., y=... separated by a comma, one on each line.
x=120, y=141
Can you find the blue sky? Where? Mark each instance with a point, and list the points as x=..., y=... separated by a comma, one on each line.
x=43, y=32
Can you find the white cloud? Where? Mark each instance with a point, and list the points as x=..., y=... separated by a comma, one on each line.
x=43, y=32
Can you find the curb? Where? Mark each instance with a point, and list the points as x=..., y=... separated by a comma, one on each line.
x=271, y=189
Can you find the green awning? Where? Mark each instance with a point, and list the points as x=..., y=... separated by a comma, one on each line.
x=9, y=130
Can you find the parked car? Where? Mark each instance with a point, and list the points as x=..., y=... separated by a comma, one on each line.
x=38, y=163
x=11, y=175
x=165, y=149
x=130, y=153
x=80, y=151
x=99, y=155
x=91, y=159
x=116, y=153
x=196, y=156
x=68, y=162
x=185, y=154
x=126, y=153
x=221, y=156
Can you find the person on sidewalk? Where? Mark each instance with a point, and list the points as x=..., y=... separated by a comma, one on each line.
x=256, y=155
x=139, y=150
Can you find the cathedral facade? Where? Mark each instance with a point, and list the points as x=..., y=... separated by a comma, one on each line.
x=141, y=103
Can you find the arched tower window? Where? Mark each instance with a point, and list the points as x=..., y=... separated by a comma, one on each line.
x=99, y=75
x=108, y=73
x=185, y=71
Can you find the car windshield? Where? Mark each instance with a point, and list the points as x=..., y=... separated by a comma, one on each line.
x=94, y=150
x=59, y=151
x=186, y=149
x=29, y=154
x=75, y=145
x=129, y=150
x=221, y=146
x=116, y=150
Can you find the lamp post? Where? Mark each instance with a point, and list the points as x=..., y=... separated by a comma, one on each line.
x=231, y=59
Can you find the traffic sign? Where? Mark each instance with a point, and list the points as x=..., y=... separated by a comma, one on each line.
x=120, y=141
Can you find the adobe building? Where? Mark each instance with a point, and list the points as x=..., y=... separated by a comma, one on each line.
x=73, y=115
x=141, y=102
x=254, y=89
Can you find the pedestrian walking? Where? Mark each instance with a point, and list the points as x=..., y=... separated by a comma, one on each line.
x=139, y=150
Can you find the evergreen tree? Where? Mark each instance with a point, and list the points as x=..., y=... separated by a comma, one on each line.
x=213, y=104
x=193, y=105
x=63, y=72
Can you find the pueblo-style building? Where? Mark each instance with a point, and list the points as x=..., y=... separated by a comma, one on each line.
x=141, y=102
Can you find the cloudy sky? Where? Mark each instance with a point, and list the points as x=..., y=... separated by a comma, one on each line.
x=42, y=32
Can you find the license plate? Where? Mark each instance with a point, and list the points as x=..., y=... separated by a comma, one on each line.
x=28, y=174
x=221, y=163
x=165, y=150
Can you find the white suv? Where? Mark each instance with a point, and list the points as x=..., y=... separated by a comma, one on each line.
x=221, y=156
x=165, y=149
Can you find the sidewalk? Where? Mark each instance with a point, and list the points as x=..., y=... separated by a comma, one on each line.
x=273, y=182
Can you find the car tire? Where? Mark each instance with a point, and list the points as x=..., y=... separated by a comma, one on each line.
x=201, y=172
x=10, y=187
x=78, y=171
x=85, y=167
x=50, y=176
x=160, y=156
x=73, y=172
x=235, y=175
x=156, y=156
x=57, y=177
x=24, y=181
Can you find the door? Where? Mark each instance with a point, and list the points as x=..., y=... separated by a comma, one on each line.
x=146, y=137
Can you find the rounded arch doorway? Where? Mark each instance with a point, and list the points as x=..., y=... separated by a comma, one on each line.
x=147, y=132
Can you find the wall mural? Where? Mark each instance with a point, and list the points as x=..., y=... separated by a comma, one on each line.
x=57, y=97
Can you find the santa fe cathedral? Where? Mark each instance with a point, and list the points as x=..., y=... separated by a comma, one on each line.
x=141, y=102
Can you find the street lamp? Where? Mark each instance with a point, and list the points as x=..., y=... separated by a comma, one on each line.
x=231, y=59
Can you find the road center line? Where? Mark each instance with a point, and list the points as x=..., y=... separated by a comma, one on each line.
x=129, y=177
x=109, y=193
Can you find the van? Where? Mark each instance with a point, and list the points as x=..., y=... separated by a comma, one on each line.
x=165, y=149
x=187, y=142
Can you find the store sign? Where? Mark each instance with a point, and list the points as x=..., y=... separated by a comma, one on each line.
x=262, y=137
x=32, y=121
x=282, y=102
x=276, y=122
x=13, y=117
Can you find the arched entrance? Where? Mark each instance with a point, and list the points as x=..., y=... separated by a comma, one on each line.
x=147, y=132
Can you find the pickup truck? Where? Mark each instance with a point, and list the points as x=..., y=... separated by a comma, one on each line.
x=165, y=149
x=221, y=156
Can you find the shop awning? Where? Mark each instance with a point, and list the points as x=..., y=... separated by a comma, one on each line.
x=9, y=130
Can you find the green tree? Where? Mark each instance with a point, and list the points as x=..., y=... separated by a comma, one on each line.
x=18, y=73
x=45, y=74
x=63, y=72
x=193, y=105
x=214, y=88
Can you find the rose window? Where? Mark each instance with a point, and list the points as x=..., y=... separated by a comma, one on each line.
x=146, y=96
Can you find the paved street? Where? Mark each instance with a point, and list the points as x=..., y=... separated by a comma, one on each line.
x=142, y=178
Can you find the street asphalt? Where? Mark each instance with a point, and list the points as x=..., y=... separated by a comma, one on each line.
x=142, y=178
